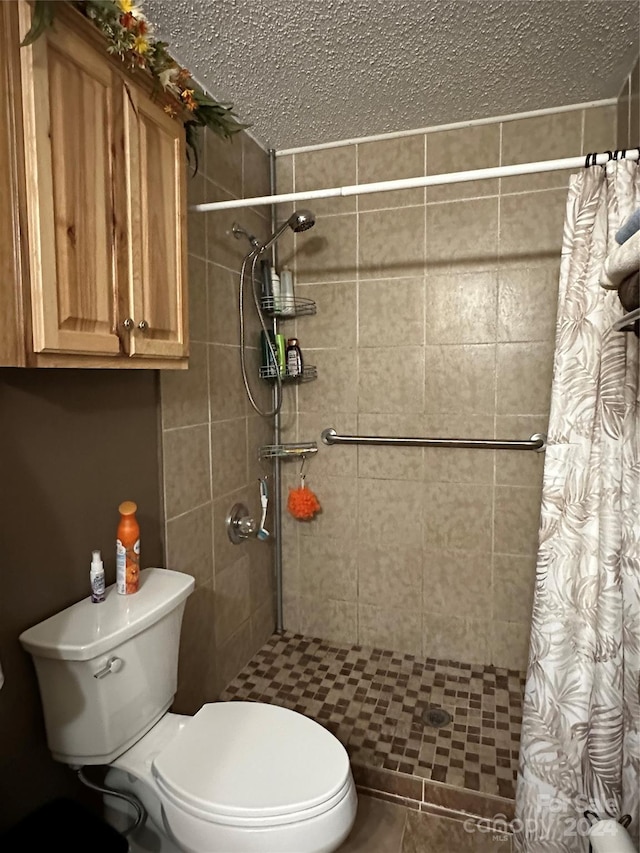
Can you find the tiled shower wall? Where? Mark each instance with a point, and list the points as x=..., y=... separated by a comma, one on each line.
x=436, y=315
x=211, y=437
x=629, y=110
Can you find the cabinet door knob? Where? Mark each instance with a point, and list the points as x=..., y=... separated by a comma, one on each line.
x=128, y=323
x=143, y=325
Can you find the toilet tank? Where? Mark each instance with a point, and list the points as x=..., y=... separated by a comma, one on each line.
x=107, y=672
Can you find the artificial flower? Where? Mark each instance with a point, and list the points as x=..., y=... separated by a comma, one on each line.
x=127, y=21
x=141, y=45
x=128, y=7
x=189, y=101
x=183, y=78
x=130, y=37
x=169, y=79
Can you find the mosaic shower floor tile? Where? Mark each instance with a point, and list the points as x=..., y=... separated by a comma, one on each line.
x=374, y=700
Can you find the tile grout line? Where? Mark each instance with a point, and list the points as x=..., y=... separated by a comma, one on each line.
x=357, y=400
x=425, y=314
x=210, y=445
x=495, y=405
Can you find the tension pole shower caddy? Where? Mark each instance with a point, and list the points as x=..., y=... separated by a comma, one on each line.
x=277, y=450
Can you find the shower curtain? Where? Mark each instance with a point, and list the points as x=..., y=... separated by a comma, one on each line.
x=580, y=745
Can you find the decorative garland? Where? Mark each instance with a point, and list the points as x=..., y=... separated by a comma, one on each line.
x=130, y=36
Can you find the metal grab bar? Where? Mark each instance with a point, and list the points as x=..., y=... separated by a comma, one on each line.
x=537, y=442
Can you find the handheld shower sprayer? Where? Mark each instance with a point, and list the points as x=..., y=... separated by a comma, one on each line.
x=300, y=220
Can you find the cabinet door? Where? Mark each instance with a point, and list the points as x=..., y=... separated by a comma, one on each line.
x=12, y=349
x=155, y=152
x=68, y=92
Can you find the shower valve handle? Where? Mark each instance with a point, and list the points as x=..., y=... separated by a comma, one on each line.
x=240, y=525
x=246, y=526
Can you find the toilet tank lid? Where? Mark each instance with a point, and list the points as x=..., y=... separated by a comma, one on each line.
x=86, y=630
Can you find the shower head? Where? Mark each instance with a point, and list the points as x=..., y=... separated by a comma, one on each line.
x=300, y=220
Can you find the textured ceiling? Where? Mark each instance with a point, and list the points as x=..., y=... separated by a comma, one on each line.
x=304, y=73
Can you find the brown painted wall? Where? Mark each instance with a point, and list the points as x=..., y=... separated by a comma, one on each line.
x=73, y=444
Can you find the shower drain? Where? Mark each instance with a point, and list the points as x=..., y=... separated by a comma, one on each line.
x=436, y=717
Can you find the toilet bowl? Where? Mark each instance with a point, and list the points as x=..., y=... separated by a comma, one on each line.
x=236, y=776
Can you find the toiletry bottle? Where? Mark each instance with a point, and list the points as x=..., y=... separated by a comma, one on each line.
x=281, y=350
x=275, y=290
x=128, y=550
x=295, y=365
x=268, y=345
x=96, y=576
x=287, y=294
x=265, y=290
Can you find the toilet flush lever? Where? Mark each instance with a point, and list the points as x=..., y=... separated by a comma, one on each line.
x=112, y=665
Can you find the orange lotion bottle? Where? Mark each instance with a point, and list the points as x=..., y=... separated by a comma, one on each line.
x=128, y=550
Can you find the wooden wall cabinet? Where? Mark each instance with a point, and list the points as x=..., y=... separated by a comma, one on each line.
x=97, y=178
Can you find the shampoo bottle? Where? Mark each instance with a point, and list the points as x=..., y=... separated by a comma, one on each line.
x=281, y=349
x=265, y=289
x=295, y=365
x=97, y=578
x=128, y=550
x=275, y=290
x=287, y=293
x=269, y=353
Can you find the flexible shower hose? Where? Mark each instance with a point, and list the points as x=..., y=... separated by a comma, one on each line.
x=253, y=256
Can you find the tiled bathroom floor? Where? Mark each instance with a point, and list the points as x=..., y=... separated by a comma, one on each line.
x=373, y=700
x=382, y=827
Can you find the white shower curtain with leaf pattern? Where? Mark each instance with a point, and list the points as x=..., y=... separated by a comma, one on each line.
x=580, y=746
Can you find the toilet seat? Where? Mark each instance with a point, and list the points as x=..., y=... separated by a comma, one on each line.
x=250, y=764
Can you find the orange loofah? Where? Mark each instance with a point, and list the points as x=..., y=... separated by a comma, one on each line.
x=302, y=503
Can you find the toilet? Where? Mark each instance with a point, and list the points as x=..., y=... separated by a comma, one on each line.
x=236, y=777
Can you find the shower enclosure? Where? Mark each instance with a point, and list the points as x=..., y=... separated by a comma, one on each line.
x=410, y=593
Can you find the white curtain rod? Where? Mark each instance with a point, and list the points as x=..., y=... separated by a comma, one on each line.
x=424, y=181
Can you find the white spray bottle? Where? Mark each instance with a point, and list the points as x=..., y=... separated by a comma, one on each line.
x=97, y=578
